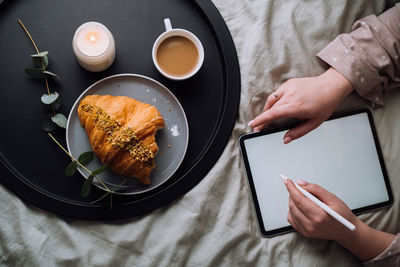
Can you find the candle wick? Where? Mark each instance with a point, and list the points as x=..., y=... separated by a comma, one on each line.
x=92, y=38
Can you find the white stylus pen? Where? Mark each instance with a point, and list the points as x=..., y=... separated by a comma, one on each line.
x=323, y=206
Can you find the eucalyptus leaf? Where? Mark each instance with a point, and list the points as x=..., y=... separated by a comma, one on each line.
x=47, y=124
x=40, y=60
x=71, y=168
x=100, y=170
x=47, y=73
x=48, y=99
x=35, y=73
x=60, y=120
x=87, y=186
x=41, y=54
x=85, y=157
x=53, y=106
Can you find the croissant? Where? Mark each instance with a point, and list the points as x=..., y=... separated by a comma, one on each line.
x=121, y=131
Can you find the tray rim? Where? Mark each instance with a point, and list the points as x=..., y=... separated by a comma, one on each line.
x=79, y=210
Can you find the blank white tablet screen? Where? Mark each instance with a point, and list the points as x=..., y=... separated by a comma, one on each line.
x=340, y=155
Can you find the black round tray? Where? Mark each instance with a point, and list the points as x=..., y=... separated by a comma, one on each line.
x=33, y=166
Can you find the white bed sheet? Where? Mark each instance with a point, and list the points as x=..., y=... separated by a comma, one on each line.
x=214, y=224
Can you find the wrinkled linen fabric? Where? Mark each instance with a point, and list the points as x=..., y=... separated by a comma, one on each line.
x=214, y=224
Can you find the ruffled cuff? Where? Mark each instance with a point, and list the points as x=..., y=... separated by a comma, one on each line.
x=368, y=56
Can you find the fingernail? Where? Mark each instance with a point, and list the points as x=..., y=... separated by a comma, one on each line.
x=301, y=182
x=250, y=123
x=287, y=140
x=285, y=181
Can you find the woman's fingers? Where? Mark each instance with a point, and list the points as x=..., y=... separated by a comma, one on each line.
x=300, y=229
x=302, y=129
x=259, y=128
x=273, y=98
x=276, y=112
x=305, y=205
x=298, y=216
x=311, y=220
x=296, y=132
x=321, y=193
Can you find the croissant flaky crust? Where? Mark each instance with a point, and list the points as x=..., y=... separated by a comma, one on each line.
x=121, y=131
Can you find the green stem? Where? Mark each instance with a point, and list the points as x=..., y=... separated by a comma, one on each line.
x=72, y=157
x=37, y=51
x=109, y=192
x=30, y=37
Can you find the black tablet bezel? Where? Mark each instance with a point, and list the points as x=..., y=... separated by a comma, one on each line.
x=285, y=229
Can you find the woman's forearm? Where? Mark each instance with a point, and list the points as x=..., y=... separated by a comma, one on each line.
x=365, y=242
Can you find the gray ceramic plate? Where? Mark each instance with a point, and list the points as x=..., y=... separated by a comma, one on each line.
x=172, y=140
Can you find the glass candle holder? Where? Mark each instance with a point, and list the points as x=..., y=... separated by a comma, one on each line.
x=94, y=46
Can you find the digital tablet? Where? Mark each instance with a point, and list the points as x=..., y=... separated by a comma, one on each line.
x=342, y=155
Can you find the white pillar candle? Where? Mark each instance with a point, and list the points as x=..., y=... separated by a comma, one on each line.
x=94, y=46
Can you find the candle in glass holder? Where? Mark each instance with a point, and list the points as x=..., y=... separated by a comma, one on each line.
x=94, y=46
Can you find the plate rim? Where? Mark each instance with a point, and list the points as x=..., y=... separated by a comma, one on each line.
x=78, y=99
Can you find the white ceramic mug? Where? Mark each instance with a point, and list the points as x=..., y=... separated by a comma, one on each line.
x=169, y=31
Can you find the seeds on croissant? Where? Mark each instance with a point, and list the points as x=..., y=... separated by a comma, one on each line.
x=120, y=137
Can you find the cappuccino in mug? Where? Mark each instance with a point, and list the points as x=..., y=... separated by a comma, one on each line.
x=177, y=56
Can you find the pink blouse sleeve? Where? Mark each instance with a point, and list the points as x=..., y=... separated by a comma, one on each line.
x=369, y=55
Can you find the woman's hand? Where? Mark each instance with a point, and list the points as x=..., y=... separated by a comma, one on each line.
x=311, y=99
x=310, y=220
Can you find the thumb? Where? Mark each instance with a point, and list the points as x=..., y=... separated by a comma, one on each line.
x=319, y=192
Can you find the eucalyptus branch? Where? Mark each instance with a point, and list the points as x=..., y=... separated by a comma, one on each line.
x=74, y=159
x=52, y=120
x=40, y=61
x=109, y=192
x=37, y=51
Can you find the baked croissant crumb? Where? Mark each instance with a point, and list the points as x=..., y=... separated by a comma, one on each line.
x=121, y=131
